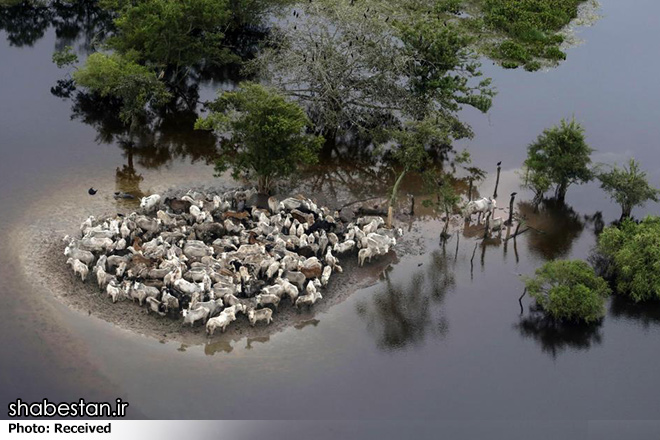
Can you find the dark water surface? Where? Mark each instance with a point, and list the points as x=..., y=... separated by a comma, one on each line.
x=440, y=337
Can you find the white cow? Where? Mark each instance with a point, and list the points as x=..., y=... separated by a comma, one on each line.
x=260, y=315
x=79, y=268
x=480, y=206
x=221, y=321
x=150, y=202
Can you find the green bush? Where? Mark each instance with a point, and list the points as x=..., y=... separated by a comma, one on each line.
x=532, y=25
x=554, y=53
x=632, y=252
x=532, y=66
x=513, y=51
x=569, y=291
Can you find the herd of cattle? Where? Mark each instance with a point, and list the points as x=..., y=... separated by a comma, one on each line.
x=209, y=258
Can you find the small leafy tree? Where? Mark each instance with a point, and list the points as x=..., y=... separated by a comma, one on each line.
x=561, y=157
x=537, y=182
x=120, y=77
x=265, y=135
x=447, y=199
x=410, y=152
x=632, y=252
x=628, y=186
x=569, y=291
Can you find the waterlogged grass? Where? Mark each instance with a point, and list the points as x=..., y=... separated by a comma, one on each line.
x=520, y=33
x=530, y=29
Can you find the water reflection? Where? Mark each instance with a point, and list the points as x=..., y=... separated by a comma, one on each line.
x=555, y=337
x=26, y=22
x=645, y=314
x=220, y=345
x=555, y=227
x=405, y=312
x=309, y=322
x=261, y=340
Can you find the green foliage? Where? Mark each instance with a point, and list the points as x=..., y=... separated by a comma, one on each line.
x=265, y=135
x=536, y=181
x=65, y=57
x=172, y=33
x=513, y=52
x=122, y=78
x=368, y=67
x=633, y=253
x=441, y=50
x=560, y=156
x=569, y=291
x=446, y=200
x=628, y=186
x=529, y=28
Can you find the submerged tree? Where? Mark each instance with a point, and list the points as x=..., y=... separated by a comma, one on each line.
x=628, y=186
x=171, y=34
x=265, y=136
x=410, y=152
x=536, y=181
x=120, y=77
x=560, y=157
x=632, y=253
x=569, y=291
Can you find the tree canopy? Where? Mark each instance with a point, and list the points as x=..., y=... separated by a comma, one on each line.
x=569, y=291
x=633, y=254
x=560, y=156
x=120, y=77
x=265, y=136
x=357, y=69
x=628, y=186
x=171, y=33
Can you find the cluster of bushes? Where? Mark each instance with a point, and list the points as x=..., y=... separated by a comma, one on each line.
x=530, y=28
x=627, y=258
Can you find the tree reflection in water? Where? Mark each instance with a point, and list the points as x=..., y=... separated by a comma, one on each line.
x=555, y=337
x=81, y=21
x=556, y=227
x=403, y=314
x=645, y=314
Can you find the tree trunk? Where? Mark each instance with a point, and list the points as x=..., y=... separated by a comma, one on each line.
x=560, y=193
x=392, y=201
x=626, y=211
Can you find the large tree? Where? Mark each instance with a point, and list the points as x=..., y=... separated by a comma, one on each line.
x=560, y=156
x=628, y=186
x=265, y=136
x=366, y=67
x=171, y=34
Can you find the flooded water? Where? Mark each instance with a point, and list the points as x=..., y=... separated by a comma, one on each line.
x=441, y=336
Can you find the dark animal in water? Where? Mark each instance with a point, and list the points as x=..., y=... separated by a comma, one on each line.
x=123, y=195
x=92, y=191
